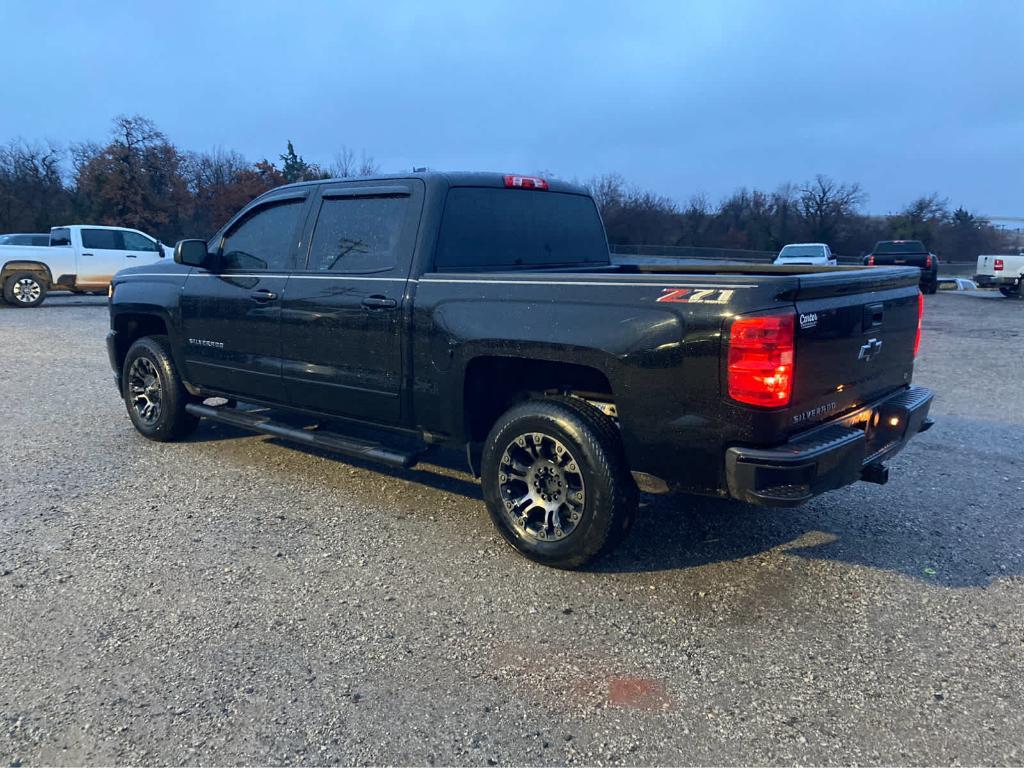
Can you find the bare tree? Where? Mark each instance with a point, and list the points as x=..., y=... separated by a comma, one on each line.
x=136, y=180
x=32, y=191
x=608, y=191
x=922, y=219
x=826, y=205
x=346, y=165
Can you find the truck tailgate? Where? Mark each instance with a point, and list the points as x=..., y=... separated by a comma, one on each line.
x=987, y=264
x=855, y=337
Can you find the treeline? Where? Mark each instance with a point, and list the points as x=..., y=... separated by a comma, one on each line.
x=818, y=211
x=140, y=179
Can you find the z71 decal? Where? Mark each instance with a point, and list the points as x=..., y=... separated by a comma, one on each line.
x=696, y=296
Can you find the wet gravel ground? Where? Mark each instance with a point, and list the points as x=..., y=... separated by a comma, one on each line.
x=234, y=600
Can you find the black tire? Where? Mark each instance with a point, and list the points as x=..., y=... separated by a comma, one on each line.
x=1007, y=291
x=149, y=376
x=931, y=288
x=594, y=448
x=25, y=290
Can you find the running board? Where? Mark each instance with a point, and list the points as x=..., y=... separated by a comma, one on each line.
x=258, y=422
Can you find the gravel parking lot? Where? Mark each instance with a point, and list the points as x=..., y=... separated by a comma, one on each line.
x=232, y=599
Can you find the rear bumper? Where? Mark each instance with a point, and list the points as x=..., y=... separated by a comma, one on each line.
x=990, y=281
x=830, y=456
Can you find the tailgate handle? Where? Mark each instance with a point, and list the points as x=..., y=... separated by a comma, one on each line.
x=873, y=315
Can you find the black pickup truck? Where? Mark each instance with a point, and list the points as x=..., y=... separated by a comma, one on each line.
x=380, y=318
x=910, y=253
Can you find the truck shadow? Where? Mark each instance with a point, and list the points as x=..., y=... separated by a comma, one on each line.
x=914, y=531
x=60, y=302
x=678, y=533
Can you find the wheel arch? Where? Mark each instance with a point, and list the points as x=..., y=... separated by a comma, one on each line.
x=37, y=267
x=132, y=326
x=493, y=383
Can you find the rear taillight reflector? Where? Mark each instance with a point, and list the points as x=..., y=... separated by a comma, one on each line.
x=998, y=266
x=871, y=261
x=526, y=182
x=760, y=362
x=920, y=317
x=928, y=261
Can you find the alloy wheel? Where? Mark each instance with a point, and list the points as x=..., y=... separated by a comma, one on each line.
x=144, y=390
x=26, y=290
x=542, y=486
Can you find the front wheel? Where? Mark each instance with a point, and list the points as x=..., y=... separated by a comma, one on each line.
x=154, y=393
x=556, y=482
x=25, y=289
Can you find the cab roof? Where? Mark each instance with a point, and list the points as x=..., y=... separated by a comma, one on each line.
x=450, y=179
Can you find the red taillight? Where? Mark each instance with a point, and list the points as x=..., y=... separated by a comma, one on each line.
x=998, y=266
x=526, y=182
x=928, y=261
x=920, y=317
x=760, y=368
x=871, y=261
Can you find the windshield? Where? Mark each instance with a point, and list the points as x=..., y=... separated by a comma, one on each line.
x=901, y=246
x=801, y=250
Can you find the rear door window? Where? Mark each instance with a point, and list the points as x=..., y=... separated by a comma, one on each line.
x=102, y=239
x=358, y=234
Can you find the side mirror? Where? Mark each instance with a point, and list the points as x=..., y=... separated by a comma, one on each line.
x=191, y=253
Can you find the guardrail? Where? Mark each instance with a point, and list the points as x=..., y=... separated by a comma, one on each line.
x=692, y=253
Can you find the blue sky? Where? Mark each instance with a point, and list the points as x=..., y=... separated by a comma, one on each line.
x=904, y=97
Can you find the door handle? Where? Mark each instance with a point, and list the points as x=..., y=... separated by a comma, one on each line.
x=87, y=254
x=132, y=255
x=263, y=295
x=379, y=302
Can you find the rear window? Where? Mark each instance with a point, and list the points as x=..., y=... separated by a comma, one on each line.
x=901, y=246
x=488, y=227
x=60, y=236
x=24, y=239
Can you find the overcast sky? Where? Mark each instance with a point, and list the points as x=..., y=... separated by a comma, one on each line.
x=680, y=97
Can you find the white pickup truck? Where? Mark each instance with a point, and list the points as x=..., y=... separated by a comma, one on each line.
x=1003, y=272
x=81, y=258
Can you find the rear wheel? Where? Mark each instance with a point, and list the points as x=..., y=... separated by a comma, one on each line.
x=24, y=289
x=556, y=481
x=153, y=391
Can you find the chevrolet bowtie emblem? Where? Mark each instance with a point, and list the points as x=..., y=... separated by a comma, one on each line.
x=872, y=348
